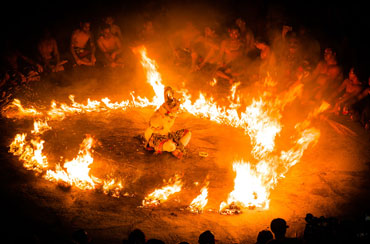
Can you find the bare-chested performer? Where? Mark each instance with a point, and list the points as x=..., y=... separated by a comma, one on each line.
x=111, y=46
x=231, y=54
x=352, y=88
x=246, y=35
x=327, y=75
x=158, y=135
x=114, y=29
x=82, y=45
x=48, y=50
x=19, y=65
x=181, y=44
x=205, y=49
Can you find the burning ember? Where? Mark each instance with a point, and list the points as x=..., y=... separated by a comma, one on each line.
x=77, y=170
x=253, y=180
x=161, y=195
x=198, y=204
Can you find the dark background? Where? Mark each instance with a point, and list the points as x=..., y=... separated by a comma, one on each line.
x=341, y=25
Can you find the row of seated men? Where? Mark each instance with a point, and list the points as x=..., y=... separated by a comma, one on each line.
x=288, y=56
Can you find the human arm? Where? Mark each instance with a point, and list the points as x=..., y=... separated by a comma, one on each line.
x=363, y=94
x=72, y=49
x=56, y=51
x=30, y=61
x=93, y=49
x=104, y=50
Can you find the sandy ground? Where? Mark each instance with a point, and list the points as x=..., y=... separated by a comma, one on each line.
x=332, y=178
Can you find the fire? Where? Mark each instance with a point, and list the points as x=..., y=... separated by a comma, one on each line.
x=252, y=184
x=249, y=190
x=40, y=127
x=213, y=82
x=29, y=153
x=76, y=171
x=262, y=127
x=153, y=77
x=112, y=187
x=198, y=204
x=260, y=121
x=20, y=110
x=161, y=195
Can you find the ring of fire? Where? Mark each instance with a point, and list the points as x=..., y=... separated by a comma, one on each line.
x=253, y=182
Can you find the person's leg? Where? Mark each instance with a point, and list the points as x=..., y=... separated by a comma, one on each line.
x=185, y=139
x=169, y=146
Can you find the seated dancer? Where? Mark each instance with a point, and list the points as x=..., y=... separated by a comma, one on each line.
x=352, y=87
x=246, y=34
x=158, y=135
x=326, y=75
x=205, y=50
x=82, y=52
x=19, y=65
x=48, y=50
x=111, y=46
x=181, y=41
x=231, y=53
x=114, y=29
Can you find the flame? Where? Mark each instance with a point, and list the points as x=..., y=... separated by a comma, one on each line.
x=260, y=120
x=40, y=127
x=262, y=127
x=252, y=184
x=76, y=171
x=20, y=111
x=29, y=153
x=112, y=187
x=153, y=76
x=249, y=189
x=213, y=82
x=198, y=204
x=161, y=195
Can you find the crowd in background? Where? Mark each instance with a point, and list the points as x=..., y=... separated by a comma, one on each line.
x=229, y=53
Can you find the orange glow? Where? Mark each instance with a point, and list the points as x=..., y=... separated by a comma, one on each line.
x=198, y=204
x=260, y=120
x=76, y=171
x=161, y=195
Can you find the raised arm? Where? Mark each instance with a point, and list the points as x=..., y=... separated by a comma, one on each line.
x=93, y=48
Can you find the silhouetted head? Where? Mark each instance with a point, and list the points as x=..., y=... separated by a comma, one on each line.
x=329, y=54
x=309, y=217
x=81, y=236
x=240, y=23
x=154, y=241
x=278, y=227
x=136, y=237
x=106, y=30
x=109, y=20
x=264, y=236
x=206, y=238
x=85, y=26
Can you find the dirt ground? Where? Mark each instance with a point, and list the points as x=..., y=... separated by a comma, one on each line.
x=332, y=178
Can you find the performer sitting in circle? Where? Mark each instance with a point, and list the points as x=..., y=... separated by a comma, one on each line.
x=158, y=135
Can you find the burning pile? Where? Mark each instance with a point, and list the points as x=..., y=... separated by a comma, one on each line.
x=253, y=181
